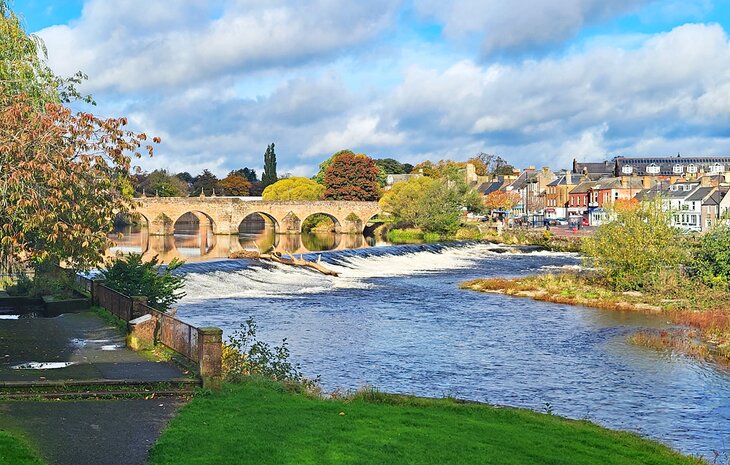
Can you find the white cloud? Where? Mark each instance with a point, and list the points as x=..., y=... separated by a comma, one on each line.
x=360, y=132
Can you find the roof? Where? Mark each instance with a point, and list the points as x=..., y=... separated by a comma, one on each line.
x=604, y=167
x=562, y=180
x=583, y=187
x=700, y=194
x=667, y=165
x=648, y=194
x=487, y=188
x=716, y=197
x=620, y=183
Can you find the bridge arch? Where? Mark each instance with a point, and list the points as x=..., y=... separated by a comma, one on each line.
x=321, y=222
x=257, y=221
x=193, y=219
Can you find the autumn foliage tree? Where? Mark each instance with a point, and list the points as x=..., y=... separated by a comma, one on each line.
x=234, y=184
x=501, y=200
x=352, y=177
x=63, y=175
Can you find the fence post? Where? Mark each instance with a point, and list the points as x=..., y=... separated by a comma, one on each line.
x=210, y=353
x=95, y=284
x=139, y=302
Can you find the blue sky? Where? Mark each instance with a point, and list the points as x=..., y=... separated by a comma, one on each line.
x=539, y=82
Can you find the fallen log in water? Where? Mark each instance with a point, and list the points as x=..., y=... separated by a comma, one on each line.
x=278, y=258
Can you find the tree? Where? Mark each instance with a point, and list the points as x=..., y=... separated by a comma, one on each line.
x=234, y=184
x=185, y=176
x=493, y=165
x=64, y=175
x=23, y=67
x=431, y=204
x=247, y=173
x=391, y=166
x=319, y=177
x=294, y=189
x=352, y=177
x=635, y=247
x=711, y=259
x=131, y=276
x=501, y=200
x=269, y=177
x=205, y=182
x=163, y=184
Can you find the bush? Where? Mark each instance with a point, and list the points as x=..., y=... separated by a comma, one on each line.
x=711, y=259
x=244, y=355
x=131, y=276
x=635, y=247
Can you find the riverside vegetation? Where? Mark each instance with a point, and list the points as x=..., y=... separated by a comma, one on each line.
x=279, y=416
x=639, y=262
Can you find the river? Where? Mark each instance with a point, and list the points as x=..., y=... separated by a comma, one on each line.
x=395, y=319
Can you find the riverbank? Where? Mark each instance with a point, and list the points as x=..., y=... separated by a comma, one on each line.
x=702, y=311
x=262, y=422
x=537, y=237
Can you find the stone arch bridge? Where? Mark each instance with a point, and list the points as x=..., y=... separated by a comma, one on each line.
x=227, y=213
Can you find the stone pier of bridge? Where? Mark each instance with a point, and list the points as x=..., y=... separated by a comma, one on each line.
x=226, y=214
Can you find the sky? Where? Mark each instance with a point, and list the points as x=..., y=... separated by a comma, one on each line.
x=538, y=82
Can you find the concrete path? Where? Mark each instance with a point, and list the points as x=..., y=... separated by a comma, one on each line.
x=103, y=432
x=82, y=432
x=95, y=349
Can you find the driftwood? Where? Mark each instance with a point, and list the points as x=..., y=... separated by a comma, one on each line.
x=278, y=258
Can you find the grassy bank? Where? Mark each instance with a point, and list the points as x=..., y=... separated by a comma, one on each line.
x=14, y=451
x=260, y=422
x=537, y=237
x=702, y=309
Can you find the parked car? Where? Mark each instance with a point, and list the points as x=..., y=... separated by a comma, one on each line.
x=561, y=221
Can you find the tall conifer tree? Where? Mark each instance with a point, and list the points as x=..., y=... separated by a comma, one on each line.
x=269, y=176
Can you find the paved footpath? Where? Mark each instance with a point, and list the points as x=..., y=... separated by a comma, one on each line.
x=82, y=432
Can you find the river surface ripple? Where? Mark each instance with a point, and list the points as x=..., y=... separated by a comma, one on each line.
x=395, y=319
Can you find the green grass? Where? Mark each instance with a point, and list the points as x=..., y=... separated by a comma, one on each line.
x=14, y=451
x=259, y=422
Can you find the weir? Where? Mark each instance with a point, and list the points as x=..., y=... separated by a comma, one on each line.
x=225, y=214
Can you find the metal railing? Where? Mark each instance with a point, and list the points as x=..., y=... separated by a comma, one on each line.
x=177, y=335
x=117, y=303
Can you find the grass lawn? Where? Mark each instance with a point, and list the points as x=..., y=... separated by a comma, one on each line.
x=259, y=422
x=14, y=451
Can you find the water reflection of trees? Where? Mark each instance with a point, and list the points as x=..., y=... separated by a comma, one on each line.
x=201, y=244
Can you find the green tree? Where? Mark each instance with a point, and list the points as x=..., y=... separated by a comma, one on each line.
x=391, y=166
x=352, y=177
x=163, y=184
x=294, y=189
x=132, y=276
x=711, y=259
x=636, y=246
x=431, y=204
x=248, y=173
x=269, y=177
x=205, y=182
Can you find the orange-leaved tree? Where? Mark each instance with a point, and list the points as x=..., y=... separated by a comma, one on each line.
x=501, y=200
x=63, y=175
x=351, y=177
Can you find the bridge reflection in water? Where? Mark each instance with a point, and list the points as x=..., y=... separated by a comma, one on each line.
x=198, y=243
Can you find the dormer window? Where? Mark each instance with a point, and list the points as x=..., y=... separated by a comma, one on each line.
x=627, y=169
x=678, y=169
x=653, y=169
x=717, y=168
x=674, y=187
x=687, y=187
x=692, y=169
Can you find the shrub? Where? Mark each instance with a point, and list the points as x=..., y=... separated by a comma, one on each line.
x=634, y=247
x=244, y=355
x=711, y=259
x=131, y=276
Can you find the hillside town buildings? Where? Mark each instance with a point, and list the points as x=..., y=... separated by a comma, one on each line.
x=695, y=189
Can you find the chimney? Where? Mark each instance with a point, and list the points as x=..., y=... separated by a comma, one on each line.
x=624, y=182
x=646, y=182
x=569, y=178
x=705, y=181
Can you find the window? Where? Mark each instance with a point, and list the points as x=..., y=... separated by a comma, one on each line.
x=653, y=169
x=717, y=168
x=627, y=169
x=615, y=195
x=678, y=169
x=692, y=168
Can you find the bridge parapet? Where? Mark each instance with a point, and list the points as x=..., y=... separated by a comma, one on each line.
x=227, y=213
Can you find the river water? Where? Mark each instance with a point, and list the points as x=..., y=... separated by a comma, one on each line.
x=395, y=319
